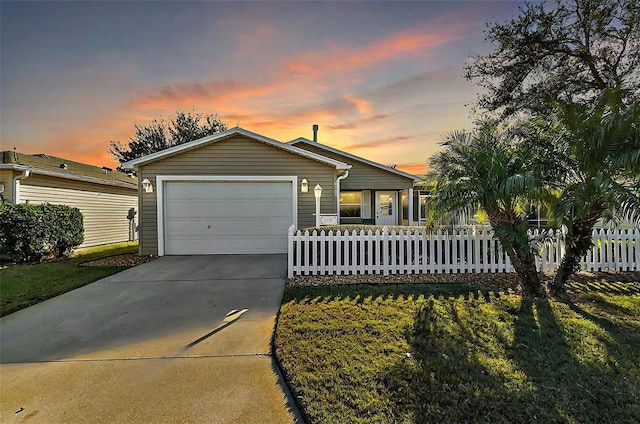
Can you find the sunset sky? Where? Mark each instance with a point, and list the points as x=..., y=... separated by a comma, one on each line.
x=383, y=80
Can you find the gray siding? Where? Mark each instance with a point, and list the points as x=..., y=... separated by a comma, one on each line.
x=236, y=156
x=104, y=208
x=362, y=176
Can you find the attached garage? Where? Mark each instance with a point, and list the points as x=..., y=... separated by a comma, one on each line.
x=222, y=215
x=234, y=192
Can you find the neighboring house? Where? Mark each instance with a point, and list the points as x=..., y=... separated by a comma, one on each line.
x=103, y=196
x=239, y=192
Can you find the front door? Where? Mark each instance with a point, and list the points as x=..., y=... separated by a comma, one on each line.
x=386, y=208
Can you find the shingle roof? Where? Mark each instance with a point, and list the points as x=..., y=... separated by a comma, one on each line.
x=353, y=157
x=55, y=166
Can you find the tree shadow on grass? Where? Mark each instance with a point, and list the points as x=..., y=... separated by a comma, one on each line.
x=584, y=367
x=625, y=285
x=455, y=372
x=506, y=360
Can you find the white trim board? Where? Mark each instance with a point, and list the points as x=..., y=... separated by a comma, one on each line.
x=162, y=179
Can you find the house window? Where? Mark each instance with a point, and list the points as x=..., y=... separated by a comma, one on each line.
x=351, y=204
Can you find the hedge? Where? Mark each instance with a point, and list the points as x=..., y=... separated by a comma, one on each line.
x=34, y=232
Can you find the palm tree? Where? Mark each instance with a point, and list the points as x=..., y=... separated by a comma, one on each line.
x=491, y=168
x=597, y=153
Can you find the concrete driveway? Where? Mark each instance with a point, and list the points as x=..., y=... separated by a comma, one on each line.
x=155, y=343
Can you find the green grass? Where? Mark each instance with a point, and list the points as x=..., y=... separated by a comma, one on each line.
x=424, y=353
x=24, y=285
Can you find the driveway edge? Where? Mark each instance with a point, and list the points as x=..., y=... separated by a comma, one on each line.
x=299, y=416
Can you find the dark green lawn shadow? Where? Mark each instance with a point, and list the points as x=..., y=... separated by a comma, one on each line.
x=454, y=373
x=581, y=372
x=501, y=360
x=625, y=318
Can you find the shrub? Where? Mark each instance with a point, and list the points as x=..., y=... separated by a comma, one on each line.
x=36, y=231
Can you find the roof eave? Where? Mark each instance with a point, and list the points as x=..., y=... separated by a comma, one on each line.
x=76, y=177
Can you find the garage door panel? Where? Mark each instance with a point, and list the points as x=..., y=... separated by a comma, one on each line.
x=206, y=227
x=255, y=210
x=234, y=245
x=213, y=217
x=231, y=190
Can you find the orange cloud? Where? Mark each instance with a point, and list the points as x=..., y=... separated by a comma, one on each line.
x=413, y=168
x=171, y=97
x=363, y=106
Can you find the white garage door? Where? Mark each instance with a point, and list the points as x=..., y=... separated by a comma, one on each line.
x=217, y=217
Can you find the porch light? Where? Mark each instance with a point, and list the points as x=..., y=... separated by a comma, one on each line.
x=147, y=186
x=317, y=191
x=304, y=186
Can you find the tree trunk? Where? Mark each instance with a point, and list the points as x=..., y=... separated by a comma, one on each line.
x=578, y=242
x=525, y=265
x=515, y=242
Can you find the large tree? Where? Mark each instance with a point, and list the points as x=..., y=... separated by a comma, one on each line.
x=492, y=169
x=160, y=135
x=564, y=49
x=596, y=150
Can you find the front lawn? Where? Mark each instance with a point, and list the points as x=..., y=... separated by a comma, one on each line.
x=452, y=354
x=24, y=285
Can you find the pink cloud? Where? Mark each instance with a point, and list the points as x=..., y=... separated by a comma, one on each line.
x=403, y=45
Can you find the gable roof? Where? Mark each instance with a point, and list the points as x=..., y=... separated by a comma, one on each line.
x=54, y=166
x=229, y=133
x=353, y=157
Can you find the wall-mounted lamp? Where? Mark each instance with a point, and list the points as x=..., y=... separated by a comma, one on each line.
x=147, y=186
x=304, y=185
x=317, y=191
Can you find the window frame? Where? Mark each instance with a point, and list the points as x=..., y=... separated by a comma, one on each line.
x=352, y=204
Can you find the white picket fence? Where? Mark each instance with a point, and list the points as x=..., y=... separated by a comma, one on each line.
x=464, y=250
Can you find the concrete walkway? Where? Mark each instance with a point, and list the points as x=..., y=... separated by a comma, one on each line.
x=156, y=343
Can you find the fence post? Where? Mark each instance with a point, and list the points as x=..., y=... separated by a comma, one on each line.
x=290, y=252
x=330, y=257
x=636, y=248
x=385, y=250
x=323, y=254
x=307, y=256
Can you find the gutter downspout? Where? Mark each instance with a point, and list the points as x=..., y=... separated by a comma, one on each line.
x=342, y=176
x=16, y=184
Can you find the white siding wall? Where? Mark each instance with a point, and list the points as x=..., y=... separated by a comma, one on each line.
x=104, y=208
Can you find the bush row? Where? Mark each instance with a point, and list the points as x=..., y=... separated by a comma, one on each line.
x=34, y=232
